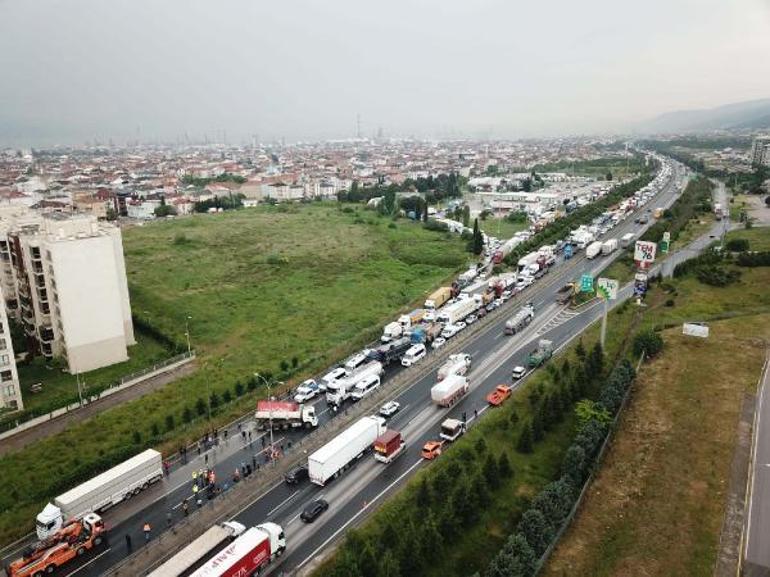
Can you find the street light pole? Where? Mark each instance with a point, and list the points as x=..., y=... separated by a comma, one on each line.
x=269, y=409
x=187, y=333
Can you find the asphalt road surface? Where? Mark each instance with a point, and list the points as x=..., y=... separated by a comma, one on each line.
x=362, y=489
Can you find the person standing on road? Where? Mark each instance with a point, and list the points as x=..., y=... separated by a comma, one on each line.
x=185, y=508
x=128, y=543
x=168, y=519
x=147, y=529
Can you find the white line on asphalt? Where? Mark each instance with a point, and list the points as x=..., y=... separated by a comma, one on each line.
x=84, y=565
x=364, y=508
x=499, y=335
x=266, y=491
x=282, y=503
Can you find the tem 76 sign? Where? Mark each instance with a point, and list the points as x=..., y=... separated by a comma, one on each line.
x=644, y=251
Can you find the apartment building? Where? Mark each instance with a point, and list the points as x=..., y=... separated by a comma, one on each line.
x=10, y=390
x=760, y=151
x=64, y=280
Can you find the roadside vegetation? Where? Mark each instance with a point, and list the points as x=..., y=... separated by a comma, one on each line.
x=610, y=168
x=283, y=291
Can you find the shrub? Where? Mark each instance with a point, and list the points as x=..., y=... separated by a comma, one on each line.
x=737, y=245
x=649, y=342
x=717, y=276
x=170, y=424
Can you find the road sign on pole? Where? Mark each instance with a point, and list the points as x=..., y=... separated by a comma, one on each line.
x=644, y=251
x=666, y=242
x=586, y=283
x=608, y=288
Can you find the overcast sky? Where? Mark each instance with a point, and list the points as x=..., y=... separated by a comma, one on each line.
x=74, y=70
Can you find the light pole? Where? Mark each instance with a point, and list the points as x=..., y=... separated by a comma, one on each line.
x=269, y=408
x=187, y=333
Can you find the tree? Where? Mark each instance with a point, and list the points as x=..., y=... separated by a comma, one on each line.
x=491, y=472
x=214, y=400
x=423, y=494
x=504, y=466
x=200, y=407
x=164, y=210
x=480, y=488
x=239, y=389
x=478, y=240
x=227, y=396
x=609, y=175
x=595, y=362
x=538, y=425
x=649, y=342
x=136, y=437
x=587, y=410
x=187, y=415
x=170, y=422
x=524, y=444
x=481, y=445
x=580, y=350
x=536, y=530
x=388, y=566
x=425, y=212
x=154, y=431
x=574, y=465
x=514, y=418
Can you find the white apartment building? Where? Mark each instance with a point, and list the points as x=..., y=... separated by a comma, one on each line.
x=10, y=390
x=64, y=279
x=760, y=151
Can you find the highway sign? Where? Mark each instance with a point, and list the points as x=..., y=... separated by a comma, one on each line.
x=666, y=242
x=640, y=283
x=608, y=288
x=586, y=283
x=644, y=251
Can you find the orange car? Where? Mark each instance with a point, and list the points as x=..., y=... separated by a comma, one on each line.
x=431, y=450
x=499, y=395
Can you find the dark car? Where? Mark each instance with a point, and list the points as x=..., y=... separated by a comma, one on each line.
x=296, y=475
x=313, y=510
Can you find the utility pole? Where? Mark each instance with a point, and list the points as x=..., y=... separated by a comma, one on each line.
x=187, y=333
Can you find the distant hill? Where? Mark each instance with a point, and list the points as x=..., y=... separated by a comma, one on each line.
x=754, y=114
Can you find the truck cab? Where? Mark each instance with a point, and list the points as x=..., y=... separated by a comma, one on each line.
x=452, y=429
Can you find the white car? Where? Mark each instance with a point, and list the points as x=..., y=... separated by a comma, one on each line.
x=438, y=342
x=470, y=319
x=306, y=391
x=334, y=375
x=413, y=354
x=357, y=360
x=429, y=316
x=518, y=372
x=389, y=409
x=507, y=294
x=461, y=325
x=450, y=331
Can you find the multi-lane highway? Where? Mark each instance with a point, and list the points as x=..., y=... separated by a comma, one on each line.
x=364, y=488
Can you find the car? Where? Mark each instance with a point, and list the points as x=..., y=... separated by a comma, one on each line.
x=461, y=325
x=470, y=319
x=518, y=372
x=429, y=316
x=449, y=331
x=490, y=307
x=481, y=313
x=431, y=450
x=334, y=375
x=506, y=295
x=499, y=302
x=438, y=342
x=357, y=360
x=313, y=510
x=390, y=408
x=296, y=475
x=414, y=354
x=637, y=220
x=306, y=391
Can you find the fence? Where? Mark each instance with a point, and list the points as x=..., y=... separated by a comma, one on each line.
x=32, y=418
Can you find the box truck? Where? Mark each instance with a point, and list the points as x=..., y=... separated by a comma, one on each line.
x=446, y=392
x=249, y=554
x=527, y=260
x=438, y=298
x=388, y=446
x=392, y=331
x=285, y=415
x=609, y=246
x=456, y=312
x=336, y=455
x=593, y=250
x=103, y=491
x=627, y=239
x=339, y=391
x=200, y=550
x=457, y=364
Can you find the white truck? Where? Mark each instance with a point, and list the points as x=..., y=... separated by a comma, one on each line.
x=627, y=239
x=438, y=298
x=200, y=550
x=609, y=245
x=454, y=313
x=328, y=461
x=446, y=392
x=284, y=415
x=527, y=260
x=340, y=391
x=103, y=491
x=457, y=364
x=521, y=319
x=391, y=332
x=593, y=250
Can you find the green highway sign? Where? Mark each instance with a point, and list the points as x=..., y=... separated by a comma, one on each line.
x=586, y=283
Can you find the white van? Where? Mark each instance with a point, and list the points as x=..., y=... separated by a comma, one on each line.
x=364, y=387
x=333, y=376
x=413, y=354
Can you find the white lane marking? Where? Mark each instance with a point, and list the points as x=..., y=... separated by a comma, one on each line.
x=282, y=503
x=84, y=565
x=364, y=508
x=499, y=335
x=266, y=491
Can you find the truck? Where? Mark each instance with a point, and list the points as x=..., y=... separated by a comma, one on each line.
x=284, y=415
x=388, y=446
x=446, y=392
x=457, y=311
x=627, y=239
x=391, y=351
x=249, y=554
x=437, y=298
x=456, y=364
x=718, y=211
x=392, y=331
x=200, y=550
x=71, y=540
x=521, y=319
x=564, y=294
x=658, y=212
x=499, y=395
x=339, y=391
x=541, y=354
x=411, y=319
x=336, y=455
x=425, y=333
x=101, y=492
x=451, y=429
x=609, y=245
x=593, y=250
x=527, y=260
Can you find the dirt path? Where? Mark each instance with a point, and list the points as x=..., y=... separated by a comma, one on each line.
x=29, y=436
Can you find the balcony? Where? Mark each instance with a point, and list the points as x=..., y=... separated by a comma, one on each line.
x=46, y=349
x=35, y=253
x=46, y=334
x=42, y=294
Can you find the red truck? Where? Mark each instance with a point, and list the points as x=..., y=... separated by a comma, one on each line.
x=388, y=446
x=499, y=395
x=249, y=554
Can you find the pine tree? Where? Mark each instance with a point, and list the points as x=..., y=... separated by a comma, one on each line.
x=491, y=472
x=524, y=444
x=580, y=351
x=423, y=494
x=478, y=240
x=504, y=466
x=538, y=426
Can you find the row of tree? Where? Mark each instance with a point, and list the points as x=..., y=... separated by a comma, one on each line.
x=230, y=202
x=540, y=524
x=433, y=189
x=695, y=200
x=201, y=182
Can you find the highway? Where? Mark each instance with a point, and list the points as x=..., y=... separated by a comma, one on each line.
x=365, y=487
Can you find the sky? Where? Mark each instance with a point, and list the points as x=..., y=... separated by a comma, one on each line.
x=73, y=71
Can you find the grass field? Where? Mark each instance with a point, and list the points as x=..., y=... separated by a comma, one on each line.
x=502, y=228
x=262, y=286
x=657, y=504
x=759, y=238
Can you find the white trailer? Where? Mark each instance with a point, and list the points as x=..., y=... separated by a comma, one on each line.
x=457, y=364
x=103, y=491
x=328, y=461
x=593, y=250
x=448, y=391
x=249, y=554
x=609, y=245
x=285, y=414
x=339, y=391
x=527, y=260
x=627, y=239
x=200, y=550
x=391, y=331
x=457, y=311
